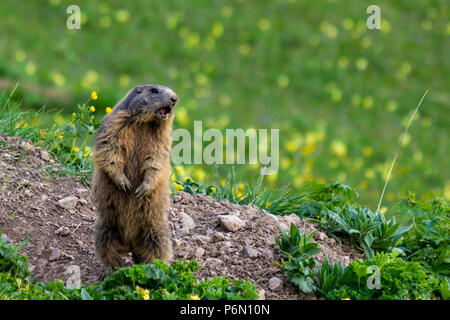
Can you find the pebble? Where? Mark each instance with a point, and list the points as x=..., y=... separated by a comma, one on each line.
x=63, y=231
x=69, y=203
x=45, y=156
x=319, y=236
x=275, y=284
x=262, y=294
x=199, y=252
x=250, y=252
x=268, y=255
x=55, y=255
x=231, y=222
x=218, y=236
x=187, y=222
x=213, y=262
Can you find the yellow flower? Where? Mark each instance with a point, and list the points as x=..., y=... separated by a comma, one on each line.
x=392, y=105
x=60, y=137
x=267, y=204
x=342, y=62
x=283, y=81
x=217, y=30
x=339, y=148
x=143, y=293
x=194, y=297
x=74, y=114
x=367, y=151
x=30, y=68
x=367, y=102
x=122, y=15
x=94, y=95
x=361, y=63
x=92, y=108
x=76, y=149
x=178, y=187
x=25, y=125
x=108, y=110
x=346, y=299
x=264, y=24
x=245, y=49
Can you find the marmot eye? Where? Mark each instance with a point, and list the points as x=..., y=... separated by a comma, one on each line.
x=153, y=90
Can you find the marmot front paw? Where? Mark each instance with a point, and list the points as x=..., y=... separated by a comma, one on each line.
x=122, y=183
x=144, y=189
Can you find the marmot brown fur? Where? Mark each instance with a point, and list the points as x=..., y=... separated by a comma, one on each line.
x=130, y=188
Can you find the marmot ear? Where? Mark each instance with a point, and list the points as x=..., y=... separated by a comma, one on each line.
x=139, y=89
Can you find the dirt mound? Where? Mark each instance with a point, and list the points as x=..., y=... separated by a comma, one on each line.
x=56, y=214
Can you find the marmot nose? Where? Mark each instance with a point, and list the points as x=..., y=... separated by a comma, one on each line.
x=174, y=99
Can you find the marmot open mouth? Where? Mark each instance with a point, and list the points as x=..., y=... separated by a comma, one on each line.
x=164, y=111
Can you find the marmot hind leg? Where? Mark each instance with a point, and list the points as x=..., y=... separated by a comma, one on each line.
x=156, y=245
x=109, y=247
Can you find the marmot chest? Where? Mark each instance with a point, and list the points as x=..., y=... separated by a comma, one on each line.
x=138, y=147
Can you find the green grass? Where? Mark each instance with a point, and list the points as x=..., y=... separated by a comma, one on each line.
x=339, y=93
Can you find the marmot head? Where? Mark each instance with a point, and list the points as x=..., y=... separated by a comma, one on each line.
x=147, y=102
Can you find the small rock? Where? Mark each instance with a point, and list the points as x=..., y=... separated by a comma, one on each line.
x=275, y=284
x=235, y=213
x=199, y=252
x=250, y=252
x=27, y=146
x=231, y=222
x=203, y=239
x=63, y=231
x=44, y=197
x=226, y=244
x=268, y=255
x=187, y=222
x=331, y=241
x=69, y=203
x=4, y=236
x=176, y=198
x=262, y=294
x=212, y=262
x=218, y=236
x=286, y=227
x=83, y=201
x=45, y=156
x=55, y=255
x=319, y=236
x=292, y=218
x=74, y=279
x=345, y=260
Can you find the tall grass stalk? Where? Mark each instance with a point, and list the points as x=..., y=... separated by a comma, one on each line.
x=398, y=150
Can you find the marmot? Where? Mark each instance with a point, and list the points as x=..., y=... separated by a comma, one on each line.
x=130, y=190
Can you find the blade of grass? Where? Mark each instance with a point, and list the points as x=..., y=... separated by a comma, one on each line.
x=398, y=150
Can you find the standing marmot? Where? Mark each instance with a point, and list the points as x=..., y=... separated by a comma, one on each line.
x=130, y=189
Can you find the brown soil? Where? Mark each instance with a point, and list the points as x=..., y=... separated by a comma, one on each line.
x=30, y=189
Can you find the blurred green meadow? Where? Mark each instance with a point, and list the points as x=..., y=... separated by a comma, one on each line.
x=340, y=94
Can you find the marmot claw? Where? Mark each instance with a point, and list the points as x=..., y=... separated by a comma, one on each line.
x=143, y=190
x=123, y=183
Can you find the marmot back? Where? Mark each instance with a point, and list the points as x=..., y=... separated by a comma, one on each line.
x=131, y=156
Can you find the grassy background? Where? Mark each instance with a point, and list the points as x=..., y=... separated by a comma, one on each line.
x=340, y=94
